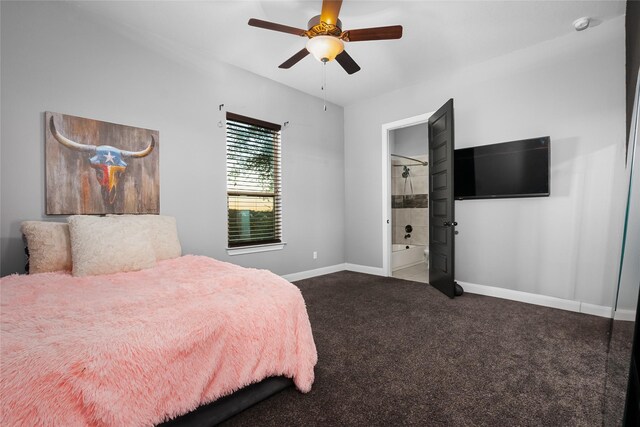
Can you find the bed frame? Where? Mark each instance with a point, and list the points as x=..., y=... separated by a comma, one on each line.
x=222, y=409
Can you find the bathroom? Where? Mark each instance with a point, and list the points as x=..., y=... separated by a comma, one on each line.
x=410, y=202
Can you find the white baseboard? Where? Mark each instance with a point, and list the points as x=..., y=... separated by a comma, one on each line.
x=543, y=300
x=628, y=315
x=313, y=273
x=377, y=271
x=492, y=291
x=596, y=310
x=333, y=269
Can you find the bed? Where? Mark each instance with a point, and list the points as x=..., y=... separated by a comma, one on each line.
x=144, y=347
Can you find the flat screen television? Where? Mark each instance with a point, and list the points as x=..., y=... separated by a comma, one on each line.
x=510, y=169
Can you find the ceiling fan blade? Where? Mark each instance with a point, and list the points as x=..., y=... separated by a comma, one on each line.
x=294, y=59
x=330, y=11
x=347, y=62
x=275, y=27
x=377, y=33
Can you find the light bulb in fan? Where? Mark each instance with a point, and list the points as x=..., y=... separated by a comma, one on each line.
x=325, y=48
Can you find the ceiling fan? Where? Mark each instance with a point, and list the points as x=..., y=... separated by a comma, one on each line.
x=326, y=38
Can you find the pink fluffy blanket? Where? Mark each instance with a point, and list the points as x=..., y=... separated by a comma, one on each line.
x=137, y=348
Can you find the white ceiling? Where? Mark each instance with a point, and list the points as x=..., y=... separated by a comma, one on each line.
x=438, y=36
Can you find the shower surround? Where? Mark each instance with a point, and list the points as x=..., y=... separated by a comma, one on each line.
x=410, y=201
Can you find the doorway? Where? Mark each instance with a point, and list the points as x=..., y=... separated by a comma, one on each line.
x=410, y=203
x=405, y=198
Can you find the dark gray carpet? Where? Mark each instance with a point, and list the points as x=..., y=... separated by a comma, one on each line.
x=618, y=361
x=393, y=352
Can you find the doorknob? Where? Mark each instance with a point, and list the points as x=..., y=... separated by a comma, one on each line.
x=446, y=224
x=454, y=223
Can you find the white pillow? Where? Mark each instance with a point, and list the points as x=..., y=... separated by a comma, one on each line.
x=49, y=246
x=103, y=245
x=163, y=233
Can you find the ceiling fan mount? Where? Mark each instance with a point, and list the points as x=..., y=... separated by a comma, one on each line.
x=327, y=28
x=319, y=28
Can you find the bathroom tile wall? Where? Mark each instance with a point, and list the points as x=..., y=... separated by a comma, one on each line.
x=410, y=208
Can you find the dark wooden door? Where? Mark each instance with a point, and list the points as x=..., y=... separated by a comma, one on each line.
x=441, y=203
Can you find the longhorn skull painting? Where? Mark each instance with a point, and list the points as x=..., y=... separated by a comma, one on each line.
x=96, y=167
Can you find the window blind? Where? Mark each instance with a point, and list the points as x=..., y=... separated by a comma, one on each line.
x=253, y=181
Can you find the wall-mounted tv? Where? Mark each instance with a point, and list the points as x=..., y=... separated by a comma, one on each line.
x=510, y=169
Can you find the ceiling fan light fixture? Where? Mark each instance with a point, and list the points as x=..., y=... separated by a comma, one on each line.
x=325, y=48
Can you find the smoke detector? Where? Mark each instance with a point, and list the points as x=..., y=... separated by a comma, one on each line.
x=582, y=23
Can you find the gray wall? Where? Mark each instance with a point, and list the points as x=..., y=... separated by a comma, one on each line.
x=56, y=59
x=566, y=245
x=410, y=141
x=632, y=27
x=630, y=277
x=630, y=273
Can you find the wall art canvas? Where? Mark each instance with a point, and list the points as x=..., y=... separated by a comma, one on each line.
x=95, y=167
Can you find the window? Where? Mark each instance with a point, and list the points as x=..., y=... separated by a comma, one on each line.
x=253, y=182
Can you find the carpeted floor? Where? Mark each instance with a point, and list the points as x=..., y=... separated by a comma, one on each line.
x=617, y=372
x=393, y=352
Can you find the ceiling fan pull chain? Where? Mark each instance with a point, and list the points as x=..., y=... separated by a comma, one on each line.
x=324, y=85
